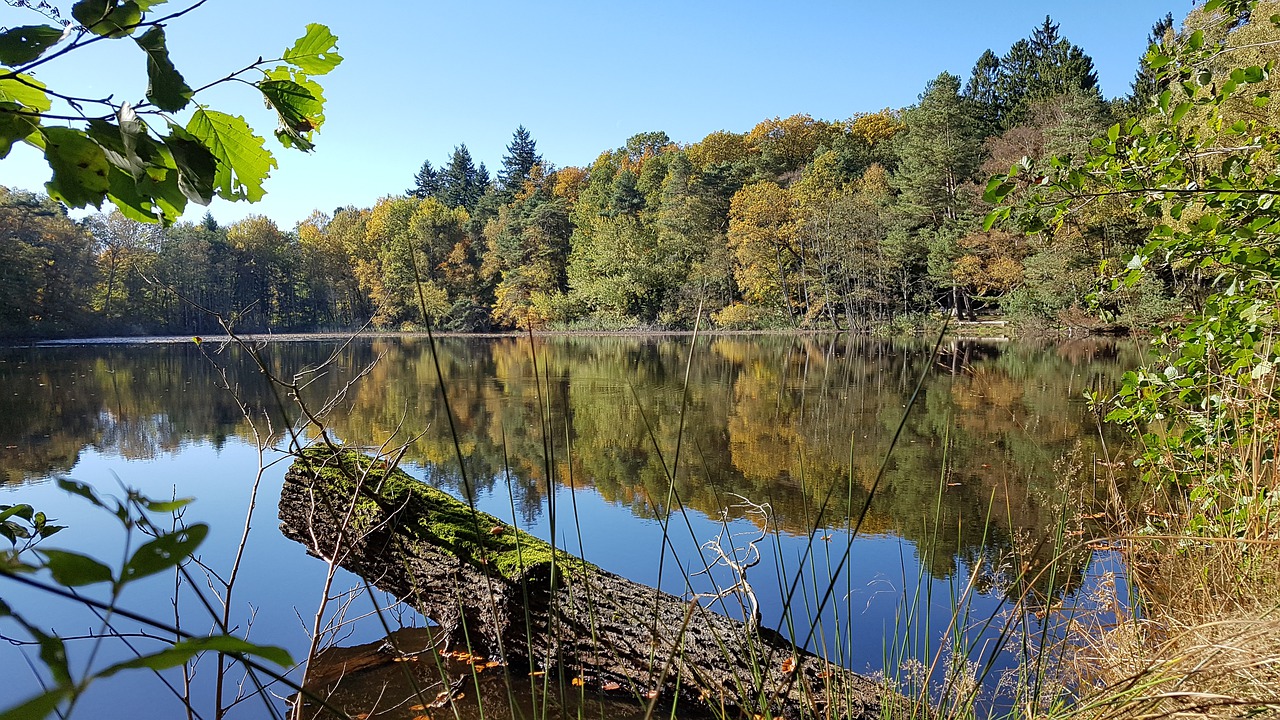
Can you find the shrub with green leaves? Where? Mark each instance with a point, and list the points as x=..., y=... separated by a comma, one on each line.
x=151, y=549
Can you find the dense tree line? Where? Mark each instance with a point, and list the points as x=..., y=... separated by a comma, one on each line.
x=110, y=274
x=873, y=221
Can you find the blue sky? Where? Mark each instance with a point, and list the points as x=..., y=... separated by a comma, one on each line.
x=419, y=78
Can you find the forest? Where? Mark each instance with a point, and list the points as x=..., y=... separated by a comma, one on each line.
x=871, y=223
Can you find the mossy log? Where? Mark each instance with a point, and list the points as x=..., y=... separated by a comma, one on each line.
x=502, y=593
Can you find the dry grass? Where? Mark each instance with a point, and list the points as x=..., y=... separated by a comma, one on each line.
x=1205, y=644
x=1202, y=639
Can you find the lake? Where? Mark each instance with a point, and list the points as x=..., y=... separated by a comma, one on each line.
x=580, y=434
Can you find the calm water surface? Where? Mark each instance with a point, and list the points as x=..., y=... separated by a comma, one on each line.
x=998, y=442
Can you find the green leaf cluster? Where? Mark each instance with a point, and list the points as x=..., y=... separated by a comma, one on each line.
x=139, y=156
x=21, y=522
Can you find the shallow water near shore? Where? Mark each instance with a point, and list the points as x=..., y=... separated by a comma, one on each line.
x=999, y=440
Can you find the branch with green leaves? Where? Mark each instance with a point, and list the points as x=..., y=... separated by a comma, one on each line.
x=1200, y=171
x=1201, y=167
x=139, y=155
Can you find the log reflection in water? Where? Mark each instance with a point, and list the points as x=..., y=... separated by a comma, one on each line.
x=405, y=677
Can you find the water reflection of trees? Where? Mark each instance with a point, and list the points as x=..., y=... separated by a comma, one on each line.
x=135, y=401
x=769, y=418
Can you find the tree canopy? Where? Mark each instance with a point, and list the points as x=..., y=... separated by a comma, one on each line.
x=873, y=220
x=522, y=155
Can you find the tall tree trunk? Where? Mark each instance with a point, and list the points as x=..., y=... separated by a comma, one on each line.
x=786, y=291
x=111, y=282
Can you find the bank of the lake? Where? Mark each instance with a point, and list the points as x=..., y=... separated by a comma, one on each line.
x=994, y=330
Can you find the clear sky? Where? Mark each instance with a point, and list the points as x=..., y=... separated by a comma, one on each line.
x=420, y=78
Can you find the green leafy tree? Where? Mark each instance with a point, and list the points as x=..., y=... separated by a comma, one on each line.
x=526, y=253
x=348, y=231
x=762, y=236
x=136, y=153
x=120, y=242
x=48, y=274
x=326, y=278
x=865, y=141
x=645, y=145
x=196, y=262
x=262, y=259
x=615, y=266
x=843, y=231
x=394, y=264
x=693, y=253
x=614, y=273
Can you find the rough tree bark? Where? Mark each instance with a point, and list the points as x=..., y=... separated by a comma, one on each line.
x=504, y=594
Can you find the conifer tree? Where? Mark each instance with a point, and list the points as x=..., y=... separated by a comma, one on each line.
x=426, y=183
x=983, y=90
x=940, y=151
x=461, y=184
x=522, y=155
x=627, y=198
x=1040, y=67
x=1061, y=67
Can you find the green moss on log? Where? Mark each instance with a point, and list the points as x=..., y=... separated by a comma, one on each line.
x=431, y=515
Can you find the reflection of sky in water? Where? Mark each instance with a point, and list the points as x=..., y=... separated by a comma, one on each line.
x=192, y=450
x=615, y=540
x=279, y=582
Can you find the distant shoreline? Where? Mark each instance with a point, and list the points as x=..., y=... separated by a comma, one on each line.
x=966, y=330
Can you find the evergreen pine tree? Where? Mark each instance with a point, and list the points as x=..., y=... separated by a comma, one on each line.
x=522, y=155
x=426, y=183
x=627, y=198
x=1069, y=121
x=983, y=90
x=939, y=152
x=1060, y=66
x=1040, y=67
x=460, y=182
x=1017, y=70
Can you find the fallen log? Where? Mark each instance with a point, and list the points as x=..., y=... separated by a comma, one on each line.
x=499, y=592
